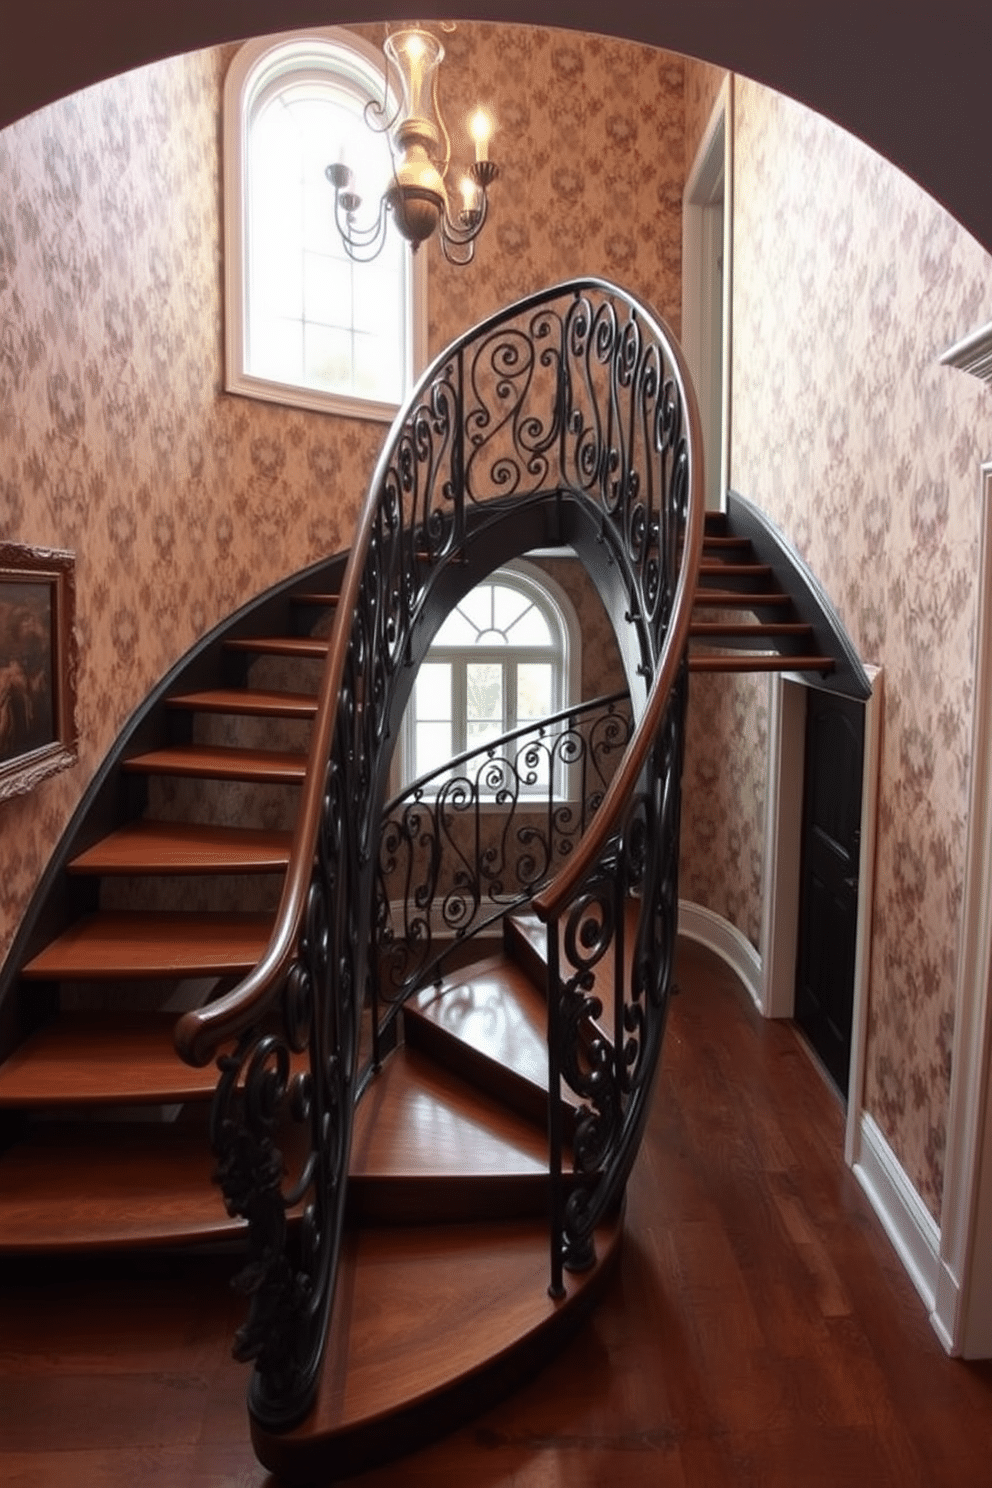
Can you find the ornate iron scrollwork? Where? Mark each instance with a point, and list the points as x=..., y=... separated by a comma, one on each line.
x=571, y=397
x=609, y=1000
x=475, y=839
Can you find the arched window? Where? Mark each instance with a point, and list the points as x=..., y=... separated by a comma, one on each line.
x=305, y=324
x=507, y=654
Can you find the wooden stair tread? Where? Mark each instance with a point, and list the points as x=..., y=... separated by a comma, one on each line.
x=496, y=1010
x=429, y=1326
x=490, y=1026
x=101, y=1185
x=161, y=944
x=422, y=1121
x=749, y=661
x=721, y=568
x=102, y=1057
x=309, y=646
x=309, y=598
x=747, y=629
x=427, y=1146
x=248, y=701
x=747, y=599
x=273, y=766
x=185, y=847
x=528, y=937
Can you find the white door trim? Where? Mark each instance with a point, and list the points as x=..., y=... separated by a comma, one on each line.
x=780, y=899
x=963, y=1309
x=714, y=157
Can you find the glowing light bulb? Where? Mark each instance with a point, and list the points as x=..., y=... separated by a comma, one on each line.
x=480, y=127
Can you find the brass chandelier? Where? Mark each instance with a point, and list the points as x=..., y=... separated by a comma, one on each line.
x=417, y=196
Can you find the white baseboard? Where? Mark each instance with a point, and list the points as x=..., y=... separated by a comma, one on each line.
x=907, y=1221
x=720, y=936
x=946, y=1310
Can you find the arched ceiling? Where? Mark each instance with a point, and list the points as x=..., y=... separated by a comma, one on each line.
x=914, y=85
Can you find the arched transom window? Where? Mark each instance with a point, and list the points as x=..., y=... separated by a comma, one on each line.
x=305, y=324
x=503, y=657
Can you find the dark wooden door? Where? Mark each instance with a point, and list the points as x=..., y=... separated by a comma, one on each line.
x=828, y=891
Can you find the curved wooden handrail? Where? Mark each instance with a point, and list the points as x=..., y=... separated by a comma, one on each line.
x=201, y=1032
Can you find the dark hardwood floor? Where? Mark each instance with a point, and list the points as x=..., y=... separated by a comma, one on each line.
x=760, y=1331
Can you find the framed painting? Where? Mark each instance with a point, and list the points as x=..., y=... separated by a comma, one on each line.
x=37, y=666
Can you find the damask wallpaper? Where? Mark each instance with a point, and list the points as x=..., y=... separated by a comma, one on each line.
x=703, y=82
x=849, y=282
x=721, y=857
x=117, y=440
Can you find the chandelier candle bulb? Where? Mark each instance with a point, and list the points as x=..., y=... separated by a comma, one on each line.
x=480, y=127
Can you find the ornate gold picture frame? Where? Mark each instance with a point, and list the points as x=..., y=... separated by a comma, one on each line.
x=37, y=666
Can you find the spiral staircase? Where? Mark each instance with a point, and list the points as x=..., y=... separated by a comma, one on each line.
x=426, y=1111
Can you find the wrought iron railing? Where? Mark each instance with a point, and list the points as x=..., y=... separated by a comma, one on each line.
x=566, y=418
x=476, y=838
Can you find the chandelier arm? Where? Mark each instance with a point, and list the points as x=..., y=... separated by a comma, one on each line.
x=459, y=259
x=459, y=233
x=442, y=126
x=361, y=244
x=375, y=111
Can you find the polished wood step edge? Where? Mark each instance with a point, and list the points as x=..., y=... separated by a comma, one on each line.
x=329, y=600
x=120, y=945
x=743, y=661
x=746, y=599
x=705, y=629
x=154, y=847
x=306, y=646
x=247, y=701
x=102, y=1058
x=218, y=763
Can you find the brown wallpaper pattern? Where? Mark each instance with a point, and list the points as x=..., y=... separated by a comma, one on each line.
x=848, y=284
x=590, y=147
x=703, y=82
x=116, y=438
x=721, y=852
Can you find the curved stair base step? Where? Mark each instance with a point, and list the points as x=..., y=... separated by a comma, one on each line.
x=430, y=1327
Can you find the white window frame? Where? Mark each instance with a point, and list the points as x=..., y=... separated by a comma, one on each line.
x=552, y=600
x=297, y=55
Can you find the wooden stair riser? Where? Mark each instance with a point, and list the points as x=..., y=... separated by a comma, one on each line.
x=516, y=1091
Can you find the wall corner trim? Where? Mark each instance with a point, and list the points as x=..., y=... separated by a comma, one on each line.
x=729, y=943
x=912, y=1229
x=973, y=353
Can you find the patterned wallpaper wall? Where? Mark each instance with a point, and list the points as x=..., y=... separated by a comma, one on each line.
x=590, y=146
x=848, y=284
x=721, y=853
x=723, y=808
x=703, y=82
x=116, y=438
